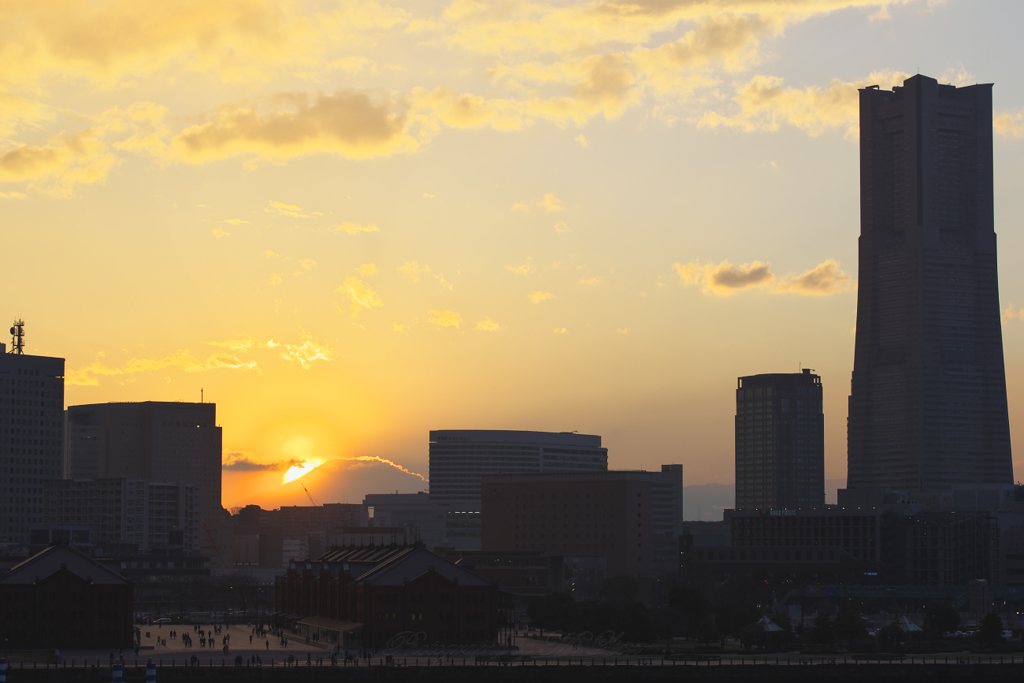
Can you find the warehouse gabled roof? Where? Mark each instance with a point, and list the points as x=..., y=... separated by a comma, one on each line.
x=414, y=564
x=51, y=560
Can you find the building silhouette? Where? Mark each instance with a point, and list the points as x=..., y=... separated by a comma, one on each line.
x=631, y=518
x=31, y=438
x=780, y=441
x=928, y=395
x=152, y=441
x=459, y=457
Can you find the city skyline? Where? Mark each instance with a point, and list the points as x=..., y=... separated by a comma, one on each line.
x=351, y=225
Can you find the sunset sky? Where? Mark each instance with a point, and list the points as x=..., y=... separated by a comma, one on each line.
x=351, y=222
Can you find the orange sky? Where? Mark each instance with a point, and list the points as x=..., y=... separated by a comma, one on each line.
x=351, y=222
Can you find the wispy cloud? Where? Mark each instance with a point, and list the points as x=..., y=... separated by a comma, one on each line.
x=359, y=295
x=539, y=296
x=591, y=280
x=306, y=353
x=524, y=269
x=218, y=233
x=549, y=202
x=283, y=209
x=183, y=360
x=445, y=318
x=488, y=325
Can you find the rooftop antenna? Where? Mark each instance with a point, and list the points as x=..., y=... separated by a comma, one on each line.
x=18, y=337
x=200, y=394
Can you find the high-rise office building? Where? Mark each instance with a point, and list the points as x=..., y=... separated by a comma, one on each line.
x=125, y=511
x=152, y=441
x=31, y=438
x=459, y=457
x=928, y=395
x=780, y=442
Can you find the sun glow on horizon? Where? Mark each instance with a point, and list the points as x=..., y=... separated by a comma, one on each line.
x=296, y=471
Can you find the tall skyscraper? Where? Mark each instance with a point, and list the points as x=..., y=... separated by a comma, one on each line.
x=928, y=396
x=780, y=442
x=153, y=441
x=31, y=438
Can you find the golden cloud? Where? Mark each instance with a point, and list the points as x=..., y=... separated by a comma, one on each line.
x=306, y=353
x=539, y=296
x=351, y=124
x=183, y=360
x=360, y=296
x=233, y=40
x=725, y=278
x=763, y=103
x=561, y=330
x=286, y=209
x=1009, y=125
x=218, y=233
x=824, y=279
x=591, y=280
x=445, y=318
x=488, y=325
x=60, y=164
x=552, y=203
x=367, y=269
x=524, y=269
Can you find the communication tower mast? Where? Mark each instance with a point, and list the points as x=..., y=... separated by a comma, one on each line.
x=18, y=337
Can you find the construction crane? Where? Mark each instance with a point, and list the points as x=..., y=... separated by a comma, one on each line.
x=309, y=495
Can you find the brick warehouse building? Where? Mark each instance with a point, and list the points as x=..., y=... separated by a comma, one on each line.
x=365, y=596
x=61, y=598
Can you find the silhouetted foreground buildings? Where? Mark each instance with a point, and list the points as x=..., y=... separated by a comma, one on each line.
x=366, y=596
x=62, y=598
x=31, y=439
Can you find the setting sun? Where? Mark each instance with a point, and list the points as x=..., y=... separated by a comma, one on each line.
x=296, y=471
